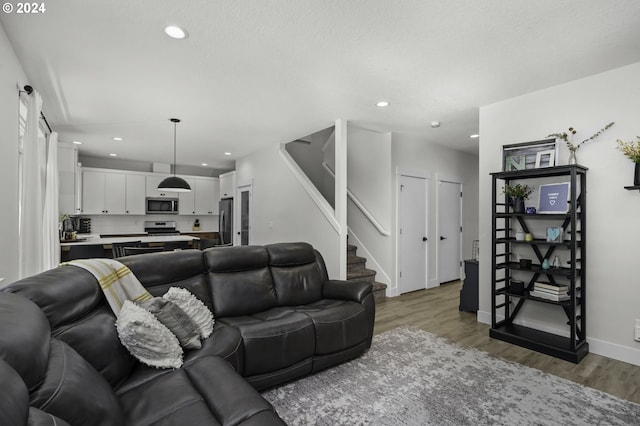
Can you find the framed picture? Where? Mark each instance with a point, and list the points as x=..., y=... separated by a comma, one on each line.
x=529, y=155
x=554, y=198
x=555, y=234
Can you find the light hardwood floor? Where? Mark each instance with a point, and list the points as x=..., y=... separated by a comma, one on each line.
x=436, y=311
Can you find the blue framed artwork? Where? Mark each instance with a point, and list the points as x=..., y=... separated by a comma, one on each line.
x=554, y=198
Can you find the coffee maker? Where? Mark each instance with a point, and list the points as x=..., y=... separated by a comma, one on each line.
x=73, y=225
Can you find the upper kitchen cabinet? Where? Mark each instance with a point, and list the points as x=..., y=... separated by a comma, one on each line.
x=203, y=198
x=112, y=192
x=152, y=187
x=136, y=190
x=103, y=192
x=228, y=184
x=187, y=200
x=68, y=179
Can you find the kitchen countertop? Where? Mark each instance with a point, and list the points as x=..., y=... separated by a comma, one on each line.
x=198, y=232
x=96, y=240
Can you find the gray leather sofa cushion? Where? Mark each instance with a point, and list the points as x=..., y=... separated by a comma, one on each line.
x=240, y=280
x=207, y=391
x=273, y=340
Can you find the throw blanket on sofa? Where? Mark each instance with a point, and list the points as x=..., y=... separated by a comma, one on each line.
x=116, y=281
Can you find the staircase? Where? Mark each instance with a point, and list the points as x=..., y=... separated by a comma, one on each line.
x=356, y=271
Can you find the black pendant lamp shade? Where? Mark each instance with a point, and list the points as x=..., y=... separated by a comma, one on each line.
x=174, y=183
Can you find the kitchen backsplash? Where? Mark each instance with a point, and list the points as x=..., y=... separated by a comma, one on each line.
x=106, y=224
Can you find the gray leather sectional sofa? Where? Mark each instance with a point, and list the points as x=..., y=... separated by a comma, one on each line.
x=278, y=318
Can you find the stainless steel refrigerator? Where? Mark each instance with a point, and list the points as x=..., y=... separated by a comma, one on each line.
x=225, y=220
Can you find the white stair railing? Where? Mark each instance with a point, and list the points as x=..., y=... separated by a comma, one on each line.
x=360, y=206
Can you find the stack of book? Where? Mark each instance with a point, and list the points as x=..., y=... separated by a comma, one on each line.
x=549, y=291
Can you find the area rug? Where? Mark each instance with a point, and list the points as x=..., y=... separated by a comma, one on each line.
x=411, y=377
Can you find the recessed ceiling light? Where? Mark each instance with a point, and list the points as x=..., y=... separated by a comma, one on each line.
x=116, y=138
x=176, y=32
x=204, y=164
x=435, y=124
x=474, y=136
x=77, y=142
x=227, y=153
x=113, y=155
x=382, y=104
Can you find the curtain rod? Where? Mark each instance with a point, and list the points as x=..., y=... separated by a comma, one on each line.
x=28, y=90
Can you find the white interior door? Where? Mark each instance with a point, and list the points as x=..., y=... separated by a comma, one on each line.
x=412, y=234
x=450, y=226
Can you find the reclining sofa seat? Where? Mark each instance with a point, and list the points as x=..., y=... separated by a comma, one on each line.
x=293, y=320
x=61, y=361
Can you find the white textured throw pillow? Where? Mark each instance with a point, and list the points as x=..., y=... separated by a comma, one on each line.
x=146, y=338
x=194, y=307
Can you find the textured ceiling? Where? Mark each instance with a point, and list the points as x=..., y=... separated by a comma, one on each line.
x=260, y=72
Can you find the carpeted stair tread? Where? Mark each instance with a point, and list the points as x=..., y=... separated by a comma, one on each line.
x=379, y=286
x=355, y=263
x=362, y=275
x=379, y=290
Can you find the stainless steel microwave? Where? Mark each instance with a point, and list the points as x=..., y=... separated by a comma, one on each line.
x=162, y=205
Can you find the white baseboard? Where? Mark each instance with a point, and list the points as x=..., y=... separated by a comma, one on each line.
x=433, y=283
x=614, y=351
x=596, y=346
x=392, y=292
x=484, y=317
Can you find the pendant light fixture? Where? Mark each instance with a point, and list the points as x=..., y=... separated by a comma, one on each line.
x=174, y=183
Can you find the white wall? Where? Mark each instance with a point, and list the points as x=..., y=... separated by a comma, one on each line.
x=12, y=77
x=310, y=156
x=435, y=161
x=369, y=180
x=613, y=286
x=281, y=210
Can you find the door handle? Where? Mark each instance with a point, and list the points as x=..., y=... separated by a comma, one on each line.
x=424, y=239
x=442, y=238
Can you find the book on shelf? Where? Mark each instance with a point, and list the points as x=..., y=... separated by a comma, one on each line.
x=553, y=292
x=548, y=286
x=549, y=296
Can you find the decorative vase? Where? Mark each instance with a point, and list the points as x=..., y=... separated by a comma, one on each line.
x=517, y=204
x=545, y=264
x=519, y=235
x=572, y=157
x=636, y=175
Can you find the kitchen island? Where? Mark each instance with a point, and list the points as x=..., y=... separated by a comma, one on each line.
x=91, y=239
x=106, y=242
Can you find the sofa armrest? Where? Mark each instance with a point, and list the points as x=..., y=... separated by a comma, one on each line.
x=346, y=290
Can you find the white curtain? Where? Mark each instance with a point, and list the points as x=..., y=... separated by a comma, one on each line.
x=51, y=237
x=38, y=212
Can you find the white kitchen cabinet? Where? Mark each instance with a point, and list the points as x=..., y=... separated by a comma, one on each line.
x=203, y=198
x=207, y=196
x=228, y=184
x=187, y=200
x=152, y=187
x=68, y=179
x=135, y=194
x=103, y=192
x=113, y=192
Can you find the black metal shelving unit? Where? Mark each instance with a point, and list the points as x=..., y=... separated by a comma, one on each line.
x=505, y=305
